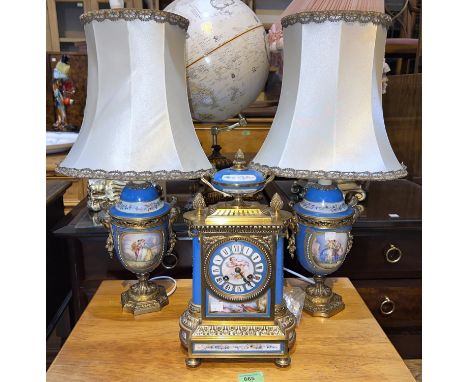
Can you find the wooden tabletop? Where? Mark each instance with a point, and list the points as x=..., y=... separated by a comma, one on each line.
x=110, y=345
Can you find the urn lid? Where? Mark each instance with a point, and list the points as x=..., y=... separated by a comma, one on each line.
x=323, y=201
x=139, y=201
x=238, y=179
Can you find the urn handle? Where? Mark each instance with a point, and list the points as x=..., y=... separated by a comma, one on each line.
x=171, y=263
x=291, y=232
x=208, y=183
x=173, y=214
x=387, y=307
x=393, y=254
x=104, y=218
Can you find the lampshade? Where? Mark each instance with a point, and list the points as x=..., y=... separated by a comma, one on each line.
x=137, y=122
x=329, y=122
x=296, y=6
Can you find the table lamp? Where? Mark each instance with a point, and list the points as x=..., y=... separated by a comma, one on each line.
x=137, y=127
x=329, y=127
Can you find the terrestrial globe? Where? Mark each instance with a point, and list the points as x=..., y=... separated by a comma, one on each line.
x=227, y=57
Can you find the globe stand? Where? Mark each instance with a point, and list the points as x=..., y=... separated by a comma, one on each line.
x=216, y=158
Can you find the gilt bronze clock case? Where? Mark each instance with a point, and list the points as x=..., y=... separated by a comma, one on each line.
x=237, y=308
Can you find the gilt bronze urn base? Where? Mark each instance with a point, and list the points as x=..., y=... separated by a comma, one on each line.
x=321, y=301
x=144, y=297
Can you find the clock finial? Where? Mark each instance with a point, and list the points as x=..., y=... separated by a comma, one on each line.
x=276, y=203
x=199, y=203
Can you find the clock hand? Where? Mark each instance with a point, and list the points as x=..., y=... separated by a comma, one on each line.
x=238, y=270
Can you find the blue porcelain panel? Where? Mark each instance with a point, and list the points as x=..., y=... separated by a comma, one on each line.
x=196, y=272
x=232, y=176
x=232, y=181
x=302, y=211
x=279, y=270
x=163, y=210
x=244, y=347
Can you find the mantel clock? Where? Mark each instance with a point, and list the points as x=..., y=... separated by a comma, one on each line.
x=237, y=308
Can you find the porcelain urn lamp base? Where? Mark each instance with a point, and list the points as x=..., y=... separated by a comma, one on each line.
x=321, y=301
x=323, y=241
x=144, y=297
x=140, y=234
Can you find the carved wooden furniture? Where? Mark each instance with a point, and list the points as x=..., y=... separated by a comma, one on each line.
x=58, y=281
x=403, y=119
x=109, y=345
x=58, y=285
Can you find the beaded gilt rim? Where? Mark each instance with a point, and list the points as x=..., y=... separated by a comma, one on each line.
x=362, y=17
x=337, y=175
x=135, y=14
x=131, y=175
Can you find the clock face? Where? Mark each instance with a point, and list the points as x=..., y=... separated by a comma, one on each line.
x=237, y=270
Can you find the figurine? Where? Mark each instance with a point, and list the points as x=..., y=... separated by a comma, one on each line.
x=63, y=89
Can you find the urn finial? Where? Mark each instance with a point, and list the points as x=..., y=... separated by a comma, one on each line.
x=239, y=160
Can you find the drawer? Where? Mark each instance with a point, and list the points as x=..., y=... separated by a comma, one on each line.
x=384, y=254
x=408, y=345
x=396, y=304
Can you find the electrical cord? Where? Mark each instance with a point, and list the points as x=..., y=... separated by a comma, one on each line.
x=310, y=281
x=167, y=278
x=170, y=292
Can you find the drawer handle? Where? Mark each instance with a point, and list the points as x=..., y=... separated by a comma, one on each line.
x=387, y=307
x=393, y=259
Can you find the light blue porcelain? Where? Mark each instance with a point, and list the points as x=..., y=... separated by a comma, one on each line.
x=238, y=180
x=322, y=250
x=323, y=201
x=139, y=203
x=140, y=227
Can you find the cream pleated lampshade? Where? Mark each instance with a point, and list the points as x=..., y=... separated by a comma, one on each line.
x=329, y=122
x=137, y=122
